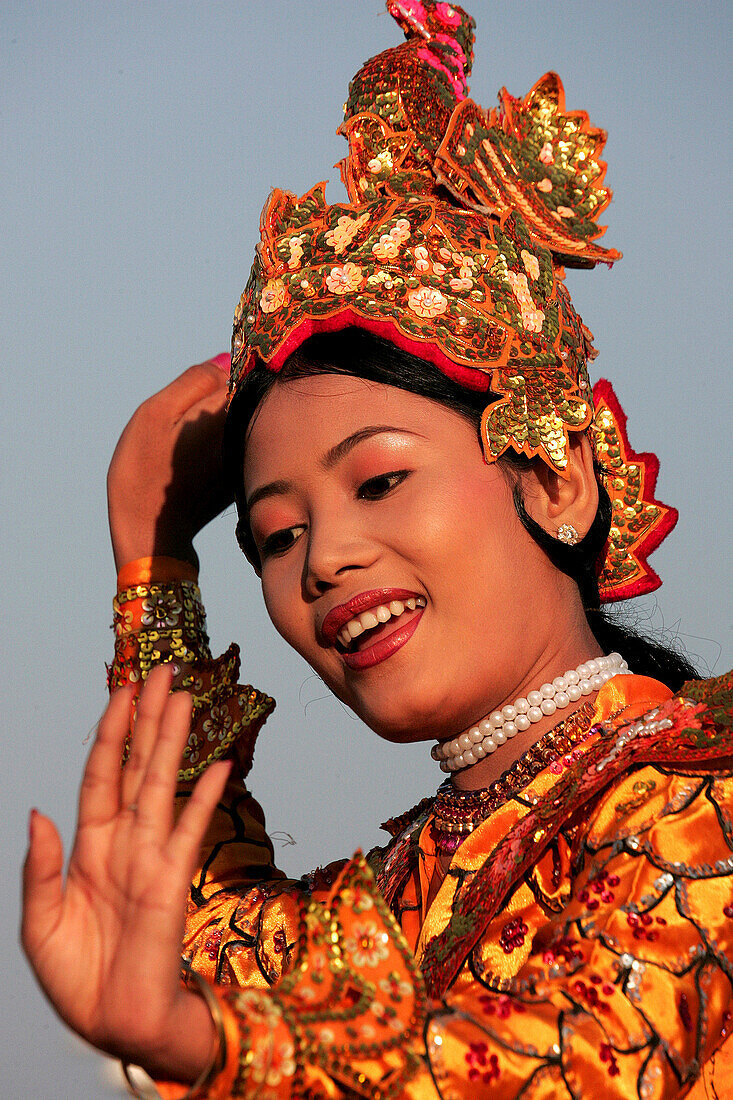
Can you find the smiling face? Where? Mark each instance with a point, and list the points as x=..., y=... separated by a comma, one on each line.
x=392, y=557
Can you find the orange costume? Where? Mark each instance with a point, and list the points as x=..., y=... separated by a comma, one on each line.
x=580, y=941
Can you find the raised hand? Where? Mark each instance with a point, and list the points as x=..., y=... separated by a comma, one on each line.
x=165, y=481
x=105, y=944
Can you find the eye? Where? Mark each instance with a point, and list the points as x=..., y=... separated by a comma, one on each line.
x=279, y=542
x=377, y=487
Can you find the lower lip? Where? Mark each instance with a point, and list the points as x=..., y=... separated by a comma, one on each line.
x=384, y=648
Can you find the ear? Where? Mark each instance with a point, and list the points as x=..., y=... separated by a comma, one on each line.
x=552, y=500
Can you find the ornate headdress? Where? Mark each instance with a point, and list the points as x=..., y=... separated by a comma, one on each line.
x=453, y=247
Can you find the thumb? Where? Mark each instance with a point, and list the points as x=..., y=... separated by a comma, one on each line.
x=42, y=882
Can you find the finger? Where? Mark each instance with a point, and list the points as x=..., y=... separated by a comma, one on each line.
x=223, y=362
x=185, y=842
x=194, y=385
x=155, y=799
x=150, y=708
x=43, y=887
x=99, y=798
x=212, y=403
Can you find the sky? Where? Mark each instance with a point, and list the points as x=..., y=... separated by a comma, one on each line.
x=138, y=143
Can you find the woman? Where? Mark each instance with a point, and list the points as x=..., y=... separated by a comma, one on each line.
x=435, y=504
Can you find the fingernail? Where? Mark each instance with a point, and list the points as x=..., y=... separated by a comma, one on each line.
x=223, y=361
x=32, y=822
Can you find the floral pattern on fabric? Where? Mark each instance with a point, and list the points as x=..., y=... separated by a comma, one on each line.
x=601, y=965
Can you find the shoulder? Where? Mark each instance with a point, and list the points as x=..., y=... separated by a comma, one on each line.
x=668, y=782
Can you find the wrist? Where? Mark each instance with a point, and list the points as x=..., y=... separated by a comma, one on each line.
x=136, y=547
x=191, y=1046
x=156, y=569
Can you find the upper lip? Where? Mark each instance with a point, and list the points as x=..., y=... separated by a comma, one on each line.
x=340, y=615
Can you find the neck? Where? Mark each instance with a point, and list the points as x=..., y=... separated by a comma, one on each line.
x=485, y=772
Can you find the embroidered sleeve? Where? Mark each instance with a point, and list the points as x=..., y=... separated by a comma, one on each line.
x=158, y=617
x=164, y=621
x=347, y=1019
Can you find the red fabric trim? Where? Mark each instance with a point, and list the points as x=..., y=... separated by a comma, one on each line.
x=471, y=377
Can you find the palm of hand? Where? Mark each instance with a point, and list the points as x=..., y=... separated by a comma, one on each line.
x=106, y=945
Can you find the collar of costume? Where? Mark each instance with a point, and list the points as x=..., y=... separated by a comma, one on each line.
x=453, y=245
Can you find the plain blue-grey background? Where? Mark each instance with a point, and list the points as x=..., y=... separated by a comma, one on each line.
x=139, y=141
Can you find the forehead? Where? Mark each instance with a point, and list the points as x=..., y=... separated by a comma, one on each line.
x=305, y=417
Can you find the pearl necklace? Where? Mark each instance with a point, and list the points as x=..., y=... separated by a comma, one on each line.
x=457, y=813
x=486, y=737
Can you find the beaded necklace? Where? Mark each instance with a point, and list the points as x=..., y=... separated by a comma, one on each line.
x=458, y=813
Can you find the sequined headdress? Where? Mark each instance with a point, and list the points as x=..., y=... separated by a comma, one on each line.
x=453, y=245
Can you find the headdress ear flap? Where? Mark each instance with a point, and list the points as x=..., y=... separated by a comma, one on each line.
x=639, y=521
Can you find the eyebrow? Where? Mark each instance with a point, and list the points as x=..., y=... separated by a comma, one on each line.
x=331, y=458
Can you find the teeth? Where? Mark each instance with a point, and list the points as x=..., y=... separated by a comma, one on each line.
x=382, y=614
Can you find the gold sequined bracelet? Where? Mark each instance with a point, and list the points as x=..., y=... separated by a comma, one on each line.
x=218, y=1059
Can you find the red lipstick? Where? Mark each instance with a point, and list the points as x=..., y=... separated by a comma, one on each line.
x=385, y=647
x=339, y=616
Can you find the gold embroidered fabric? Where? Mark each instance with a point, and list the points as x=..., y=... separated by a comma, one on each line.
x=604, y=967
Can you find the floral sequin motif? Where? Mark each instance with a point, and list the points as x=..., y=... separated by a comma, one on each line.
x=345, y=279
x=394, y=987
x=344, y=232
x=642, y=926
x=594, y=992
x=512, y=935
x=271, y=1065
x=482, y=1066
x=160, y=611
x=386, y=248
x=427, y=302
x=218, y=724
x=273, y=296
x=367, y=945
x=598, y=889
x=358, y=899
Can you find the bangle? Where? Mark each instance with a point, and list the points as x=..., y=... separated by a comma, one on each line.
x=218, y=1058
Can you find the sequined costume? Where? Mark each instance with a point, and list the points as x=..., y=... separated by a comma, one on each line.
x=580, y=942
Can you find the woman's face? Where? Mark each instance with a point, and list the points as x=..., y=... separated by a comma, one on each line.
x=375, y=514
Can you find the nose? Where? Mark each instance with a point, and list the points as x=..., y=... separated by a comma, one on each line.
x=337, y=546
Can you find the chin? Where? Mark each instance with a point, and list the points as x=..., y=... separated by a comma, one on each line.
x=405, y=717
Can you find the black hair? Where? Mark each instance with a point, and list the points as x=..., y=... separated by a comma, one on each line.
x=353, y=351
